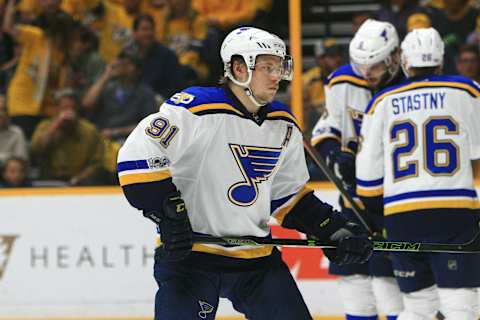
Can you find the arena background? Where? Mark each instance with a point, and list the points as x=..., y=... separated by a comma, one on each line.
x=69, y=253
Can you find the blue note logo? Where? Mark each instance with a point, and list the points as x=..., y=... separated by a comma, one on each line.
x=205, y=309
x=256, y=164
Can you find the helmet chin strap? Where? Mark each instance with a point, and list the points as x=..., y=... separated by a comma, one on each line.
x=246, y=86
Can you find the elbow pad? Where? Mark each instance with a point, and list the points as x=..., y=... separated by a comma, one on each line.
x=149, y=196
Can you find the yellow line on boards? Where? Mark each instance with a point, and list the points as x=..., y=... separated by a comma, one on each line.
x=66, y=191
x=59, y=191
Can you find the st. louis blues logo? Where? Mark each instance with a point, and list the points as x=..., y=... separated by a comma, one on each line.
x=256, y=165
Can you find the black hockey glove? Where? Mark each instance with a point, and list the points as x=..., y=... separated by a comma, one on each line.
x=175, y=230
x=353, y=245
x=342, y=164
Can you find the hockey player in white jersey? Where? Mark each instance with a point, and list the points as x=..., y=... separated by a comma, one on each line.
x=420, y=139
x=374, y=64
x=231, y=157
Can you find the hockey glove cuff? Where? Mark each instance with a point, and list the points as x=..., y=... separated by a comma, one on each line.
x=175, y=230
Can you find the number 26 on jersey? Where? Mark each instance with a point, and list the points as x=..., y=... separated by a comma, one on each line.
x=440, y=156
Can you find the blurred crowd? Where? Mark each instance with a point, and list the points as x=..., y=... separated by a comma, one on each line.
x=76, y=76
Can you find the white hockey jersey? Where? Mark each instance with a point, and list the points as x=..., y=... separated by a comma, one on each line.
x=346, y=98
x=419, y=138
x=233, y=173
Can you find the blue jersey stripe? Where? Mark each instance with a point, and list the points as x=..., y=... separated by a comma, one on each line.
x=132, y=165
x=369, y=183
x=432, y=193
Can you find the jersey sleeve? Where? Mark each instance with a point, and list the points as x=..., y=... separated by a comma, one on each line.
x=330, y=124
x=289, y=184
x=370, y=158
x=148, y=159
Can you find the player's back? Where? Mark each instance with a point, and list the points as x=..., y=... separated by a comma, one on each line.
x=430, y=134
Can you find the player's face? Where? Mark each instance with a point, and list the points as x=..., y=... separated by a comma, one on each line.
x=266, y=77
x=374, y=74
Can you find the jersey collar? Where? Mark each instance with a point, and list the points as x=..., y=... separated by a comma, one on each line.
x=258, y=118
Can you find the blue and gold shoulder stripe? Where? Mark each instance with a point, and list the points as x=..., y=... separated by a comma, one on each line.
x=214, y=100
x=204, y=100
x=455, y=82
x=345, y=74
x=278, y=111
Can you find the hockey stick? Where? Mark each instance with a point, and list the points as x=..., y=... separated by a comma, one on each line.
x=472, y=246
x=315, y=156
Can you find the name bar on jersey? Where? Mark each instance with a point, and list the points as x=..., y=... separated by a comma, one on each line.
x=419, y=85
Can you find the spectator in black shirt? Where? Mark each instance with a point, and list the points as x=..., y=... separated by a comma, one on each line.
x=159, y=65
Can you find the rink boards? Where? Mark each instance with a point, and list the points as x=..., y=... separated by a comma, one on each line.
x=85, y=253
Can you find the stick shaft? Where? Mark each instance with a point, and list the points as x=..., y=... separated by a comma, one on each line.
x=317, y=158
x=472, y=246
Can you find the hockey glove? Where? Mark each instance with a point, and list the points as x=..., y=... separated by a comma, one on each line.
x=342, y=164
x=353, y=245
x=175, y=230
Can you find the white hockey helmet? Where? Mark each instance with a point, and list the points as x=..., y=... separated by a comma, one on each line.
x=374, y=42
x=422, y=48
x=249, y=42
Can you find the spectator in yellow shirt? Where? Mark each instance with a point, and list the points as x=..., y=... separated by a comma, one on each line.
x=67, y=147
x=113, y=25
x=225, y=14
x=79, y=9
x=41, y=65
x=185, y=33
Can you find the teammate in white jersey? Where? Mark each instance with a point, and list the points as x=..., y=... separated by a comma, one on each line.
x=420, y=140
x=233, y=158
x=374, y=64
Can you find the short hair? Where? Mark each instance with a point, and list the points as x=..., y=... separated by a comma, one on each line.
x=223, y=79
x=143, y=17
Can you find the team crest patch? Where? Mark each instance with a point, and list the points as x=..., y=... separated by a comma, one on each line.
x=182, y=98
x=256, y=165
x=158, y=162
